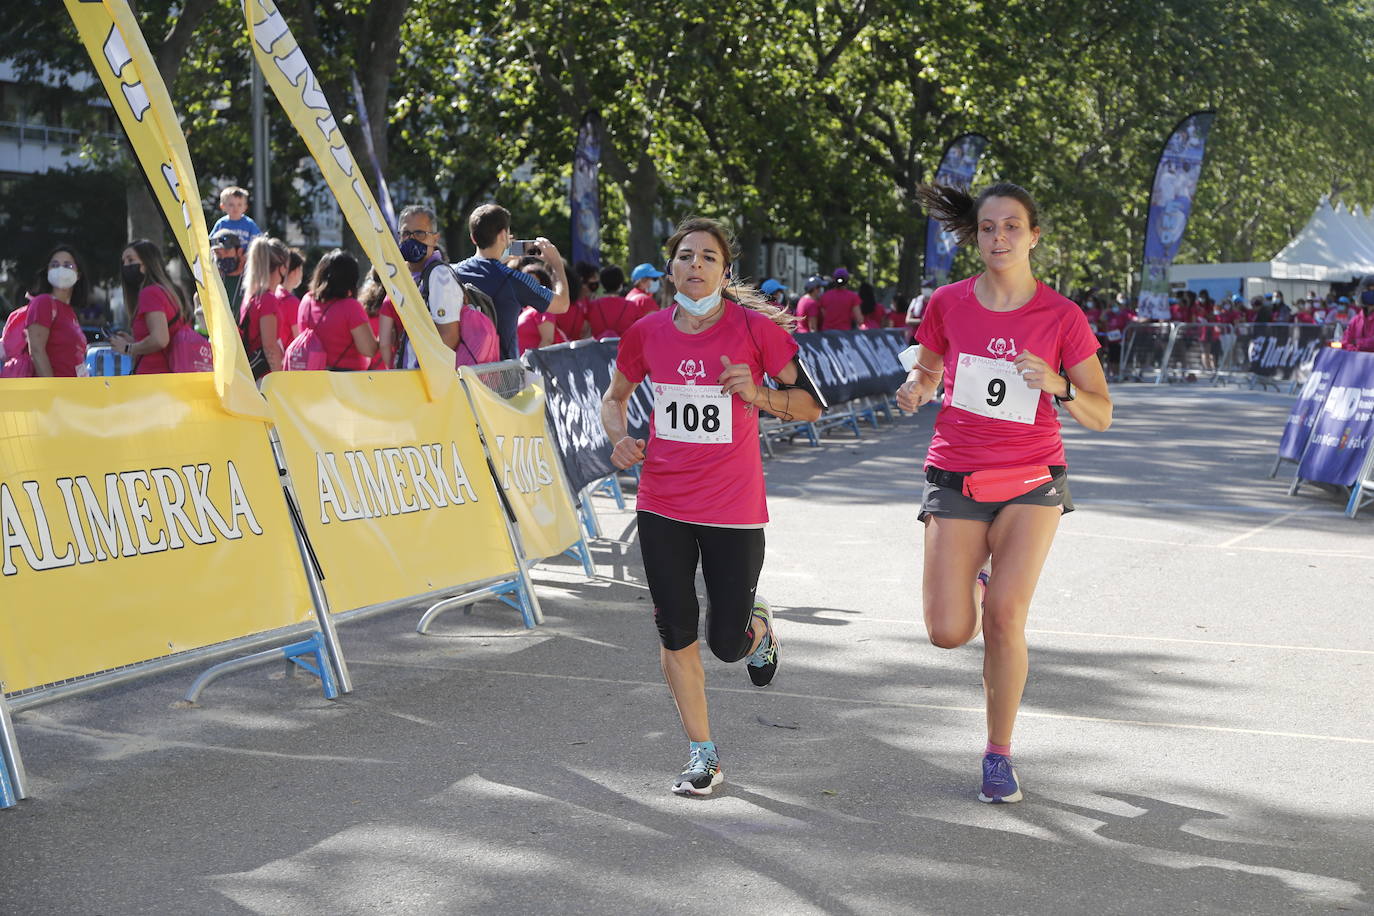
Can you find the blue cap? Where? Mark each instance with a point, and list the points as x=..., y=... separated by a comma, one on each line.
x=814, y=281
x=1269, y=295
x=770, y=286
x=1236, y=297
x=644, y=270
x=1344, y=299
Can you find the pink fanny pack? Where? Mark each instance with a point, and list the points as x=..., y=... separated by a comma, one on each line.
x=1002, y=484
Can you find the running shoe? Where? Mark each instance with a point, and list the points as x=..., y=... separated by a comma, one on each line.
x=763, y=663
x=1000, y=784
x=701, y=775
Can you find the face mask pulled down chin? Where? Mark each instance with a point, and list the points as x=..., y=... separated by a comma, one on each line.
x=62, y=277
x=697, y=307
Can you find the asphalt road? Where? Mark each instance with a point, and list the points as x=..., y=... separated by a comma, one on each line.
x=1196, y=735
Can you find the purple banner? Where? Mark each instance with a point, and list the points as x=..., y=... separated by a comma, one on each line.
x=1343, y=427
x=584, y=194
x=957, y=167
x=1310, y=400
x=1171, y=203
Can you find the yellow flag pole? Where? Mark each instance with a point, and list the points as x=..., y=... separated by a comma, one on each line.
x=129, y=73
x=294, y=83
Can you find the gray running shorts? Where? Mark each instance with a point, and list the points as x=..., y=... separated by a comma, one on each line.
x=948, y=502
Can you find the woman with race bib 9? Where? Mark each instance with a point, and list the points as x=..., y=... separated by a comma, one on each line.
x=1009, y=349
x=701, y=494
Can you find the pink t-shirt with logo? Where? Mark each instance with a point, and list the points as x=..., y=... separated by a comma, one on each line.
x=808, y=313
x=837, y=309
x=66, y=347
x=153, y=298
x=705, y=483
x=956, y=323
x=334, y=322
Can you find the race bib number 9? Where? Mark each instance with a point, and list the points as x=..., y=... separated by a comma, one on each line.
x=994, y=388
x=693, y=413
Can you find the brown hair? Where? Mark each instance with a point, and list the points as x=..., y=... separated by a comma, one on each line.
x=736, y=291
x=957, y=210
x=486, y=223
x=154, y=274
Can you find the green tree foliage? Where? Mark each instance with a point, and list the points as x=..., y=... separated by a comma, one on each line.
x=811, y=123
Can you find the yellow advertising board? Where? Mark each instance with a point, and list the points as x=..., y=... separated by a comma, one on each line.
x=394, y=487
x=293, y=82
x=137, y=519
x=120, y=56
x=526, y=465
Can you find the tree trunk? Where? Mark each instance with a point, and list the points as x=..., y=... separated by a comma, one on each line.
x=641, y=196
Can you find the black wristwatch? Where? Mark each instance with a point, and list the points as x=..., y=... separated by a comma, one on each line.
x=1069, y=393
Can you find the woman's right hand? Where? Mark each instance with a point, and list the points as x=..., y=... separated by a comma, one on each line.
x=627, y=453
x=914, y=394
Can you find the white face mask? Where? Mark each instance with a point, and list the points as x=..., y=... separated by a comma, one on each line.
x=62, y=277
x=698, y=307
x=653, y=287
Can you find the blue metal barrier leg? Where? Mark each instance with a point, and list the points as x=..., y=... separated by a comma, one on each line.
x=312, y=655
x=582, y=553
x=589, y=521
x=611, y=486
x=12, y=776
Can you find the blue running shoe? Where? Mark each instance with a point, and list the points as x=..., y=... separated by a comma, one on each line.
x=763, y=663
x=1000, y=784
x=701, y=775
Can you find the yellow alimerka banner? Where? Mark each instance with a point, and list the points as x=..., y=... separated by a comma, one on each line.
x=294, y=83
x=136, y=520
x=393, y=487
x=526, y=465
x=111, y=35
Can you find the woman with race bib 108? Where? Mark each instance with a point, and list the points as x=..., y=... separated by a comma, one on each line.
x=701, y=494
x=1009, y=349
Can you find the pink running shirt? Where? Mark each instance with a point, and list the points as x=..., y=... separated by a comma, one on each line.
x=334, y=323
x=153, y=298
x=837, y=309
x=956, y=324
x=705, y=483
x=66, y=342
x=808, y=314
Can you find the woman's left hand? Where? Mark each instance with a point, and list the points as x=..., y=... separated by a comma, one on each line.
x=738, y=378
x=1038, y=373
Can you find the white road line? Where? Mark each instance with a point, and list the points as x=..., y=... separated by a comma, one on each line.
x=896, y=704
x=1256, y=530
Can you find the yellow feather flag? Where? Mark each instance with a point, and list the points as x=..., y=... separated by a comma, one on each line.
x=294, y=83
x=111, y=35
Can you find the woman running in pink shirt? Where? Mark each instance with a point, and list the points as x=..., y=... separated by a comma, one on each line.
x=1009, y=349
x=701, y=494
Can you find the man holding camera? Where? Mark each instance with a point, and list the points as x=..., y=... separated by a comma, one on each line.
x=511, y=290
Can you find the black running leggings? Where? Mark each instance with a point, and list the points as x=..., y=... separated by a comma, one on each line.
x=731, y=559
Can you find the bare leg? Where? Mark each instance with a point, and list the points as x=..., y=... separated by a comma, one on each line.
x=955, y=549
x=1020, y=539
x=687, y=681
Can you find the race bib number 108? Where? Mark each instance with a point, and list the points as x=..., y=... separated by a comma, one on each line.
x=693, y=413
x=994, y=388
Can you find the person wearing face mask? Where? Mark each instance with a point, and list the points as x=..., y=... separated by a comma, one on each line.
x=230, y=260
x=437, y=281
x=1359, y=333
x=159, y=311
x=55, y=344
x=701, y=494
x=644, y=285
x=1009, y=351
x=585, y=281
x=611, y=314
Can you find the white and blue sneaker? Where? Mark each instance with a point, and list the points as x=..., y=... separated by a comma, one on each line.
x=701, y=775
x=1000, y=784
x=763, y=663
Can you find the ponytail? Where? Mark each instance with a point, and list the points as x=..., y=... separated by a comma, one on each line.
x=957, y=210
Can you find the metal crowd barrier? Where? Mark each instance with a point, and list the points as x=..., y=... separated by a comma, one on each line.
x=1258, y=355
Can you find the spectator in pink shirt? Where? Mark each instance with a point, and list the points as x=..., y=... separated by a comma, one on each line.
x=809, y=306
x=644, y=282
x=872, y=315
x=840, y=304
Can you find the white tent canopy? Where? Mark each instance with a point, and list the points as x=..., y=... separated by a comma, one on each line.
x=1335, y=246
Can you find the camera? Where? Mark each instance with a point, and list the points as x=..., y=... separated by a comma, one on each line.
x=521, y=247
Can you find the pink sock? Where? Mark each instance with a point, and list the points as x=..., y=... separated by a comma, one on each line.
x=1003, y=749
